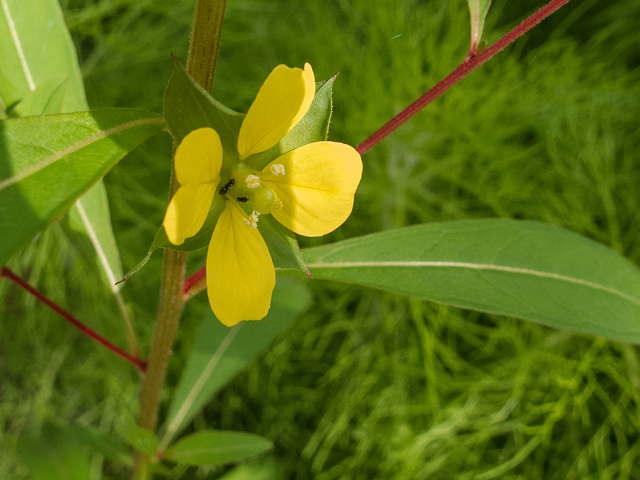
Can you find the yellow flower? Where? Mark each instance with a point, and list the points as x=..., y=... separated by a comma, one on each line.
x=309, y=190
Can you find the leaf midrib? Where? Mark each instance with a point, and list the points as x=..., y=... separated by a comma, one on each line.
x=50, y=160
x=18, y=46
x=475, y=266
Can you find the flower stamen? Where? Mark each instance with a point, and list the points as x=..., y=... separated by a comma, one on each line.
x=253, y=181
x=252, y=221
x=277, y=169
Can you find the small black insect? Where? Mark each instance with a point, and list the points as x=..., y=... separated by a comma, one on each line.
x=225, y=189
x=242, y=199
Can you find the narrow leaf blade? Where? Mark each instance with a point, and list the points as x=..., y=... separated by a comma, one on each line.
x=40, y=74
x=214, y=447
x=528, y=270
x=478, y=10
x=221, y=352
x=35, y=48
x=49, y=161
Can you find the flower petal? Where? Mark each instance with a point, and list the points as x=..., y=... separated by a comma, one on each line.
x=187, y=211
x=240, y=272
x=199, y=158
x=317, y=188
x=282, y=101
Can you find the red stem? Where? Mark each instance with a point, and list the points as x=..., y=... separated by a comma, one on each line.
x=138, y=363
x=469, y=65
x=193, y=280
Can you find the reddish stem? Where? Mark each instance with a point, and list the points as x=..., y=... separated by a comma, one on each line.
x=138, y=363
x=192, y=281
x=469, y=65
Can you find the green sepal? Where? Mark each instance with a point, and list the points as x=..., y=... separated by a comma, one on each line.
x=198, y=241
x=314, y=127
x=282, y=244
x=188, y=106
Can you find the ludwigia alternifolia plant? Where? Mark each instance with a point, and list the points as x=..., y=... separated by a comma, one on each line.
x=243, y=185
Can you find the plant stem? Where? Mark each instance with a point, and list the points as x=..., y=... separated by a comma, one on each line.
x=203, y=52
x=468, y=66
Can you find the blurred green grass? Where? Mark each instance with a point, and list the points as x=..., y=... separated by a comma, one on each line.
x=365, y=384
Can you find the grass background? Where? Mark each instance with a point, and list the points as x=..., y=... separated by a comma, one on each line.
x=366, y=384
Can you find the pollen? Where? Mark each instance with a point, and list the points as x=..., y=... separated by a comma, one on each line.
x=277, y=169
x=252, y=221
x=253, y=181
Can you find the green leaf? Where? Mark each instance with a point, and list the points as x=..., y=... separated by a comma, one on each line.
x=37, y=53
x=89, y=217
x=108, y=445
x=528, y=270
x=47, y=98
x=140, y=438
x=221, y=352
x=213, y=447
x=478, y=10
x=39, y=74
x=54, y=454
x=49, y=161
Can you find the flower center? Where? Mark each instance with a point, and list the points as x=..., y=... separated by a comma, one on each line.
x=244, y=185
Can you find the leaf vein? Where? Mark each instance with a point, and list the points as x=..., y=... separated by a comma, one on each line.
x=18, y=45
x=74, y=148
x=478, y=266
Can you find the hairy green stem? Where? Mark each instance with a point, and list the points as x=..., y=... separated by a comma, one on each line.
x=201, y=62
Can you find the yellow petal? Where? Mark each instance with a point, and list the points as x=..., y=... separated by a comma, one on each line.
x=317, y=188
x=187, y=211
x=240, y=272
x=282, y=101
x=199, y=157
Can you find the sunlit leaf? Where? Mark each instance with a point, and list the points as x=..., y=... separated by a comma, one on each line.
x=528, y=270
x=39, y=74
x=49, y=161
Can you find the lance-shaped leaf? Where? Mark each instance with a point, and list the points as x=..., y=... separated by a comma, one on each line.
x=220, y=352
x=528, y=270
x=37, y=53
x=49, y=161
x=39, y=74
x=214, y=447
x=478, y=10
